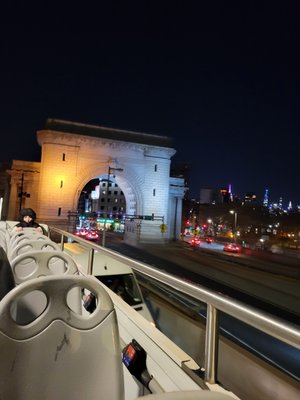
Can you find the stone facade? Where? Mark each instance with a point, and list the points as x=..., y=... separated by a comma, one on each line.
x=70, y=160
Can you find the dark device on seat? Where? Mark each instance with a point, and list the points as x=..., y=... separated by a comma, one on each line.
x=134, y=358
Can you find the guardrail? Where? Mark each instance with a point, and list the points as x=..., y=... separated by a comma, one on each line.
x=275, y=327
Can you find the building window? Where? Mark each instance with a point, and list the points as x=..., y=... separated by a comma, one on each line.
x=64, y=157
x=61, y=184
x=155, y=167
x=154, y=192
x=59, y=211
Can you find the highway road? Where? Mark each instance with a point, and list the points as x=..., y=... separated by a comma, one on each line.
x=269, y=282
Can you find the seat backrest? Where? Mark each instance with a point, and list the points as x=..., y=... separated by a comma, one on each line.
x=3, y=225
x=7, y=281
x=35, y=264
x=4, y=238
x=187, y=395
x=41, y=263
x=14, y=228
x=19, y=237
x=31, y=245
x=61, y=354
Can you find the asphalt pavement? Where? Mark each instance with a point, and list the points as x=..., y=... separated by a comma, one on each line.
x=265, y=284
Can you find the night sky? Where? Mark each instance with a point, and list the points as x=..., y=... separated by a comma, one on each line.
x=221, y=79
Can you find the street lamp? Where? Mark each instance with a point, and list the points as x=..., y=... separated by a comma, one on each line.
x=235, y=223
x=110, y=169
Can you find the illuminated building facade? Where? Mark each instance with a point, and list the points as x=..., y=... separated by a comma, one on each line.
x=73, y=154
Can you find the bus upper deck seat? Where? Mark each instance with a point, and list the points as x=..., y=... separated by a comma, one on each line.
x=4, y=238
x=61, y=354
x=13, y=230
x=187, y=395
x=3, y=225
x=33, y=264
x=7, y=281
x=19, y=237
x=32, y=245
x=25, y=231
x=36, y=264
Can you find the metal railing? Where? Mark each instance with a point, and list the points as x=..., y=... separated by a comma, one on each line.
x=264, y=322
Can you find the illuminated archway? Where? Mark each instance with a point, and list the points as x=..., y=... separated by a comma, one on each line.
x=73, y=154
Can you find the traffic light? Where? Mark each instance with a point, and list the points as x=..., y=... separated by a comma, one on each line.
x=25, y=194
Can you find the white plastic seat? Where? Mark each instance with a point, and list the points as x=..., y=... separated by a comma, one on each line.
x=187, y=395
x=32, y=245
x=19, y=237
x=14, y=228
x=3, y=225
x=61, y=354
x=38, y=263
x=4, y=238
x=7, y=281
x=35, y=264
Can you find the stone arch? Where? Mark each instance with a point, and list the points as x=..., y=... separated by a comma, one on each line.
x=132, y=192
x=84, y=176
x=75, y=153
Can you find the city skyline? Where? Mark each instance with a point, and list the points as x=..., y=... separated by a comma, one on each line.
x=222, y=80
x=260, y=199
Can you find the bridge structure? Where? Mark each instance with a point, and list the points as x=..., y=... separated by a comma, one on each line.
x=72, y=154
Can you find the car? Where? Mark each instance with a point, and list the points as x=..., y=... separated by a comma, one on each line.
x=208, y=239
x=275, y=249
x=195, y=241
x=92, y=235
x=232, y=248
x=82, y=232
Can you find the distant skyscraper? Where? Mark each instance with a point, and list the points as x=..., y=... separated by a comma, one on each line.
x=230, y=192
x=250, y=198
x=210, y=196
x=226, y=196
x=266, y=198
x=280, y=203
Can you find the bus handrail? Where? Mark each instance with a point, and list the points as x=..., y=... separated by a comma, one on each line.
x=282, y=330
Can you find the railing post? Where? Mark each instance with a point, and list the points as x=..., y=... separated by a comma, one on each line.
x=90, y=262
x=62, y=242
x=211, y=344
